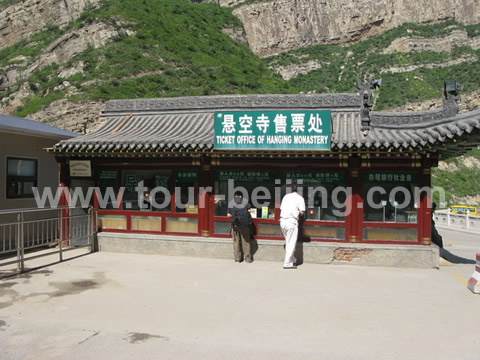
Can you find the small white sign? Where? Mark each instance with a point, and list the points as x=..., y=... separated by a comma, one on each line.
x=80, y=168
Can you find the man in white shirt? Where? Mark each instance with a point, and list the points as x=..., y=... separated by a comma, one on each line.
x=292, y=206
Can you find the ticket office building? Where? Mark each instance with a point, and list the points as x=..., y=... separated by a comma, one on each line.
x=180, y=159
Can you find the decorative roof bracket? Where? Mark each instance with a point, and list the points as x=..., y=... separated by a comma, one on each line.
x=366, y=91
x=365, y=110
x=450, y=98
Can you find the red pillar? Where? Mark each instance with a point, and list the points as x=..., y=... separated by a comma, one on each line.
x=425, y=210
x=353, y=221
x=204, y=198
x=64, y=214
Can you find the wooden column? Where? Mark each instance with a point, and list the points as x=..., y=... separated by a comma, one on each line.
x=64, y=213
x=204, y=208
x=425, y=211
x=354, y=219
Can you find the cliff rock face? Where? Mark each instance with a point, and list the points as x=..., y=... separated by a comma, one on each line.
x=20, y=21
x=60, y=51
x=226, y=3
x=446, y=43
x=276, y=26
x=293, y=70
x=81, y=117
x=468, y=102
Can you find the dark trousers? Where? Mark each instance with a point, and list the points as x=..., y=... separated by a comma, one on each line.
x=241, y=243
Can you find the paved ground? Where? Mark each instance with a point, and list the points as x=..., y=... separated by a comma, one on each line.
x=119, y=306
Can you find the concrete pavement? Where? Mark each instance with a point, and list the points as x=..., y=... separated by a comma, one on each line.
x=129, y=306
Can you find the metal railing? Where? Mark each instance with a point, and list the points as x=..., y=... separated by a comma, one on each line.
x=25, y=232
x=462, y=221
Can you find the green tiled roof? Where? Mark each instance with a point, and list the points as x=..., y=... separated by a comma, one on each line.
x=186, y=125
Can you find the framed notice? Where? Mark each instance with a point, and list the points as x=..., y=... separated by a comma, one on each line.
x=80, y=168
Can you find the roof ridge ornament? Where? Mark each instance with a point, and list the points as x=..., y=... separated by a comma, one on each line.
x=366, y=91
x=450, y=98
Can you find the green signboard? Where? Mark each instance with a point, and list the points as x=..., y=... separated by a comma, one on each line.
x=186, y=176
x=107, y=175
x=389, y=178
x=315, y=178
x=131, y=183
x=273, y=130
x=161, y=181
x=245, y=176
x=108, y=178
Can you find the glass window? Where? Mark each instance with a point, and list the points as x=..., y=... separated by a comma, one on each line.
x=113, y=222
x=390, y=234
x=147, y=223
x=221, y=227
x=146, y=190
x=324, y=192
x=181, y=224
x=108, y=183
x=186, y=191
x=324, y=232
x=21, y=177
x=269, y=230
x=389, y=197
x=258, y=185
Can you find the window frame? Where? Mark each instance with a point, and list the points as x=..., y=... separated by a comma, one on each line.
x=23, y=179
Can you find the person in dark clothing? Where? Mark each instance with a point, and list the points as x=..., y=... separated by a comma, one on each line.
x=436, y=237
x=241, y=224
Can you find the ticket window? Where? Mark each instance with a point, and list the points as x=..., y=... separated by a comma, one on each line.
x=186, y=191
x=389, y=197
x=258, y=186
x=324, y=192
x=146, y=190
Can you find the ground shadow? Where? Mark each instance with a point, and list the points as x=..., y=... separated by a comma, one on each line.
x=28, y=272
x=299, y=253
x=454, y=259
x=253, y=246
x=299, y=250
x=302, y=238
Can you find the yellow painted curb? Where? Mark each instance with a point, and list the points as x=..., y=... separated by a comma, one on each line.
x=444, y=262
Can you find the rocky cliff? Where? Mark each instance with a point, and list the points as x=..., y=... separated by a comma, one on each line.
x=276, y=26
x=60, y=51
x=22, y=20
x=404, y=44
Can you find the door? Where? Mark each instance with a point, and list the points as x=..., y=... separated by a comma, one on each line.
x=79, y=223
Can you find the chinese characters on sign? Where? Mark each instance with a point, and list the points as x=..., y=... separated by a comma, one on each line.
x=245, y=176
x=131, y=183
x=80, y=168
x=161, y=181
x=381, y=177
x=315, y=178
x=186, y=176
x=280, y=130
